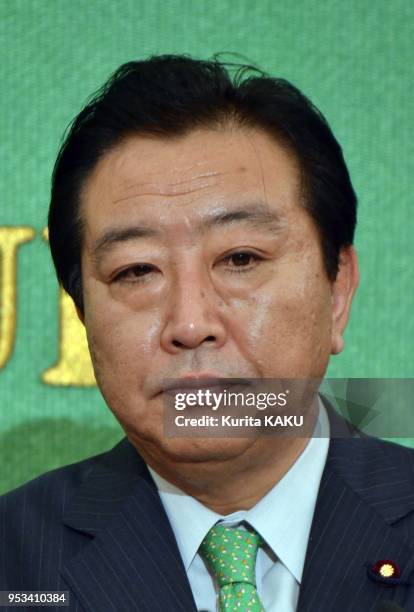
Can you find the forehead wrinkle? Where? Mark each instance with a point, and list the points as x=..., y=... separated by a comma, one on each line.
x=153, y=188
x=199, y=176
x=163, y=193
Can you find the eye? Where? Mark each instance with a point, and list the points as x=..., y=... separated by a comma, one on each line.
x=134, y=274
x=242, y=261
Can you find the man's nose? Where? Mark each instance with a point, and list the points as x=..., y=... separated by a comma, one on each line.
x=194, y=313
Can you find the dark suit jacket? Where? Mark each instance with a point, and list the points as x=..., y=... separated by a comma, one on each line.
x=98, y=530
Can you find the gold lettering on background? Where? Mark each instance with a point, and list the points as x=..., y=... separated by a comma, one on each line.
x=10, y=239
x=74, y=366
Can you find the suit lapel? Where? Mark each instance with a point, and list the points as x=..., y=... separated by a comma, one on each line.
x=364, y=492
x=132, y=561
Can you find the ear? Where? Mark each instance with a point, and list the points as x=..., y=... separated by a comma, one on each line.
x=343, y=290
x=80, y=314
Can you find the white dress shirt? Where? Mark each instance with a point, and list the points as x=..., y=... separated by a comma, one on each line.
x=283, y=518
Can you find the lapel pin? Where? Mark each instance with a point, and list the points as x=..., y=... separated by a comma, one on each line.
x=386, y=572
x=386, y=569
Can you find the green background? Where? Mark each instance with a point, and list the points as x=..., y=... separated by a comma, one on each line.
x=353, y=58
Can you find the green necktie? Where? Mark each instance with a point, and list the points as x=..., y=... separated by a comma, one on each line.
x=231, y=555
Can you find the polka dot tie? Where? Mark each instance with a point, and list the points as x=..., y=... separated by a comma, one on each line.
x=231, y=555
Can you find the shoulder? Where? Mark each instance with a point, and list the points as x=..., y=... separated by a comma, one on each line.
x=46, y=495
x=354, y=452
x=381, y=473
x=50, y=494
x=364, y=448
x=35, y=534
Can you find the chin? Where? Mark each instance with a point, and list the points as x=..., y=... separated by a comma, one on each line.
x=189, y=450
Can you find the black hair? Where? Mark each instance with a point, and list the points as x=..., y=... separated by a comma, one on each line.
x=170, y=95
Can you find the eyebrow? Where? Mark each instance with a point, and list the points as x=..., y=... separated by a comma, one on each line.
x=258, y=216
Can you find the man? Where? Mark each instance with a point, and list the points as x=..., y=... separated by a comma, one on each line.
x=203, y=227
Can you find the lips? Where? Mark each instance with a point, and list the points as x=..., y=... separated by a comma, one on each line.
x=191, y=382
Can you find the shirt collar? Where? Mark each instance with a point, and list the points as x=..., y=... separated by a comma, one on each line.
x=190, y=520
x=283, y=517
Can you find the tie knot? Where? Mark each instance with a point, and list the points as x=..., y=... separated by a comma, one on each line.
x=231, y=554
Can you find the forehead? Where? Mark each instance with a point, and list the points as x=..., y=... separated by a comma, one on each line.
x=188, y=176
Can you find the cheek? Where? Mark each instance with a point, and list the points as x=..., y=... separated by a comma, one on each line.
x=286, y=327
x=121, y=342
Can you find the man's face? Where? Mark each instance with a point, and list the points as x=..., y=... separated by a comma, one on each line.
x=198, y=257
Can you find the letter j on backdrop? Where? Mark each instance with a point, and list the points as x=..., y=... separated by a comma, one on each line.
x=73, y=367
